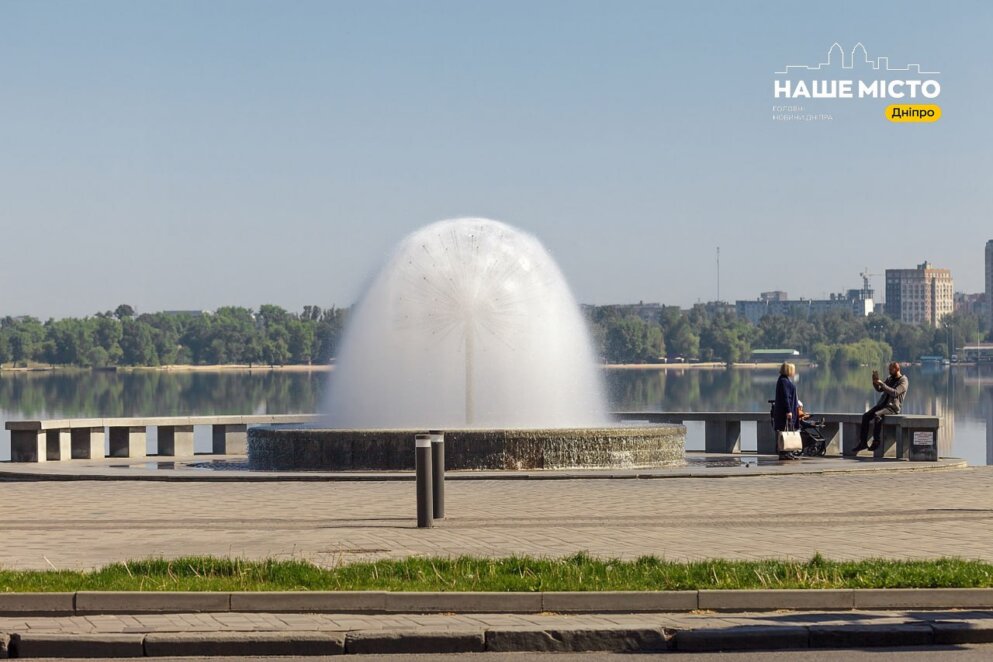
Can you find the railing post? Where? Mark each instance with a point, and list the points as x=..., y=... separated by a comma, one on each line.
x=58, y=445
x=438, y=473
x=28, y=445
x=229, y=439
x=127, y=441
x=850, y=436
x=832, y=438
x=765, y=438
x=889, y=445
x=87, y=443
x=423, y=470
x=175, y=440
x=722, y=436
x=922, y=444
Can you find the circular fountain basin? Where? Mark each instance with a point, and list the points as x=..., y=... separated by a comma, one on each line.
x=282, y=448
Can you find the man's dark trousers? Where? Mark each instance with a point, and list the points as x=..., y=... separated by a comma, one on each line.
x=874, y=416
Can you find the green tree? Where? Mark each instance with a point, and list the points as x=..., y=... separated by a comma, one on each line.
x=124, y=311
x=107, y=333
x=301, y=341
x=67, y=341
x=630, y=339
x=137, y=345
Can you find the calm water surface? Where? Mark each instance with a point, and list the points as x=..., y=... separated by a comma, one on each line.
x=962, y=396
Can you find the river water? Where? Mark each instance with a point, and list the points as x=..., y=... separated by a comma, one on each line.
x=961, y=395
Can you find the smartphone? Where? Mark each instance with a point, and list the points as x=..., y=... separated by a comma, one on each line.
x=875, y=375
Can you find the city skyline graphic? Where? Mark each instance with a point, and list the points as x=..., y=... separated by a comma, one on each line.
x=881, y=63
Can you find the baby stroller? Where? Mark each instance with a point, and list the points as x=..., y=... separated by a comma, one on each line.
x=814, y=443
x=811, y=435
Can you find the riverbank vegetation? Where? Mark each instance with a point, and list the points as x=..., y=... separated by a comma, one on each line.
x=274, y=336
x=229, y=335
x=640, y=334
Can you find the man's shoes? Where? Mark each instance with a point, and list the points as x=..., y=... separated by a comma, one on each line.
x=860, y=447
x=874, y=445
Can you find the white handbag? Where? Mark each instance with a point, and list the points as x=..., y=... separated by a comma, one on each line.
x=789, y=440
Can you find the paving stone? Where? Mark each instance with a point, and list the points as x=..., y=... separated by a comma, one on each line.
x=130, y=602
x=859, y=636
x=912, y=598
x=310, y=601
x=775, y=599
x=619, y=601
x=463, y=602
x=750, y=637
x=964, y=632
x=415, y=641
x=621, y=640
x=30, y=644
x=334, y=523
x=36, y=603
x=244, y=643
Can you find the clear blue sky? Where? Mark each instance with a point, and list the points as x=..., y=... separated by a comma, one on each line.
x=179, y=155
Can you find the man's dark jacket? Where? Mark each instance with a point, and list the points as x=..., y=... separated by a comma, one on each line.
x=893, y=390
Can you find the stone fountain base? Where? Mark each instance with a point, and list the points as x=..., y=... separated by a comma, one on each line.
x=286, y=448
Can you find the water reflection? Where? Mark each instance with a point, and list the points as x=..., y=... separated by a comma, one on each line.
x=962, y=396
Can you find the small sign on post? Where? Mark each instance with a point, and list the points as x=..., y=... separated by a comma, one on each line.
x=923, y=446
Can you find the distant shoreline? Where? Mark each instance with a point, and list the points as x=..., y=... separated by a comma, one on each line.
x=711, y=365
x=228, y=367
x=322, y=367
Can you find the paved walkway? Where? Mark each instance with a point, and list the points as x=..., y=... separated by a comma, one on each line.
x=258, y=622
x=85, y=524
x=245, y=634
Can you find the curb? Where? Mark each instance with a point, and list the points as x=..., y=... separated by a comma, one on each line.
x=515, y=639
x=84, y=603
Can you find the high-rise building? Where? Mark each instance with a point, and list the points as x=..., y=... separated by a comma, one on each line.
x=919, y=296
x=858, y=302
x=989, y=286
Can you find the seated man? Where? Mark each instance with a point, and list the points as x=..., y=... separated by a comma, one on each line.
x=893, y=389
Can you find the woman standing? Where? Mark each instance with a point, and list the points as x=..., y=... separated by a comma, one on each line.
x=786, y=416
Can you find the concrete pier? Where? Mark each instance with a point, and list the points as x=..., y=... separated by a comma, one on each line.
x=175, y=440
x=230, y=439
x=127, y=441
x=87, y=443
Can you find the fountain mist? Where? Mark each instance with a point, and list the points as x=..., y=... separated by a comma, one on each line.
x=469, y=324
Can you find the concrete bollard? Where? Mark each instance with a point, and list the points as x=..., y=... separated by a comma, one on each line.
x=425, y=492
x=438, y=472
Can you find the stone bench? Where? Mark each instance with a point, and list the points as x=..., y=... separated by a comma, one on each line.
x=70, y=439
x=906, y=436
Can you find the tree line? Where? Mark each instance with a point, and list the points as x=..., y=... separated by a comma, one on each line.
x=275, y=336
x=232, y=334
x=714, y=332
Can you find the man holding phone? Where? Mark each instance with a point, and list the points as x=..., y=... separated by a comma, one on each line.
x=893, y=391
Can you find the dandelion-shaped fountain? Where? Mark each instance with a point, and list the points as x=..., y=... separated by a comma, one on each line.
x=470, y=327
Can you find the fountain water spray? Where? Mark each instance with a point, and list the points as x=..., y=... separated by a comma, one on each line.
x=470, y=323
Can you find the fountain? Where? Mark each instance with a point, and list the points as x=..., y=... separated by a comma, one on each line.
x=470, y=328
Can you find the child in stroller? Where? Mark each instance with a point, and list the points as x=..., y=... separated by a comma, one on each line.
x=814, y=443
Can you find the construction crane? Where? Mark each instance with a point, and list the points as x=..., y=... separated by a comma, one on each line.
x=865, y=282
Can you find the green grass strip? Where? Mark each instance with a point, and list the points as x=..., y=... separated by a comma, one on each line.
x=575, y=573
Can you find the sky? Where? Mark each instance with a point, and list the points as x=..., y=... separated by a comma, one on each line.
x=187, y=155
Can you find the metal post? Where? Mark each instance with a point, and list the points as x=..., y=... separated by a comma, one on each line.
x=422, y=462
x=438, y=473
